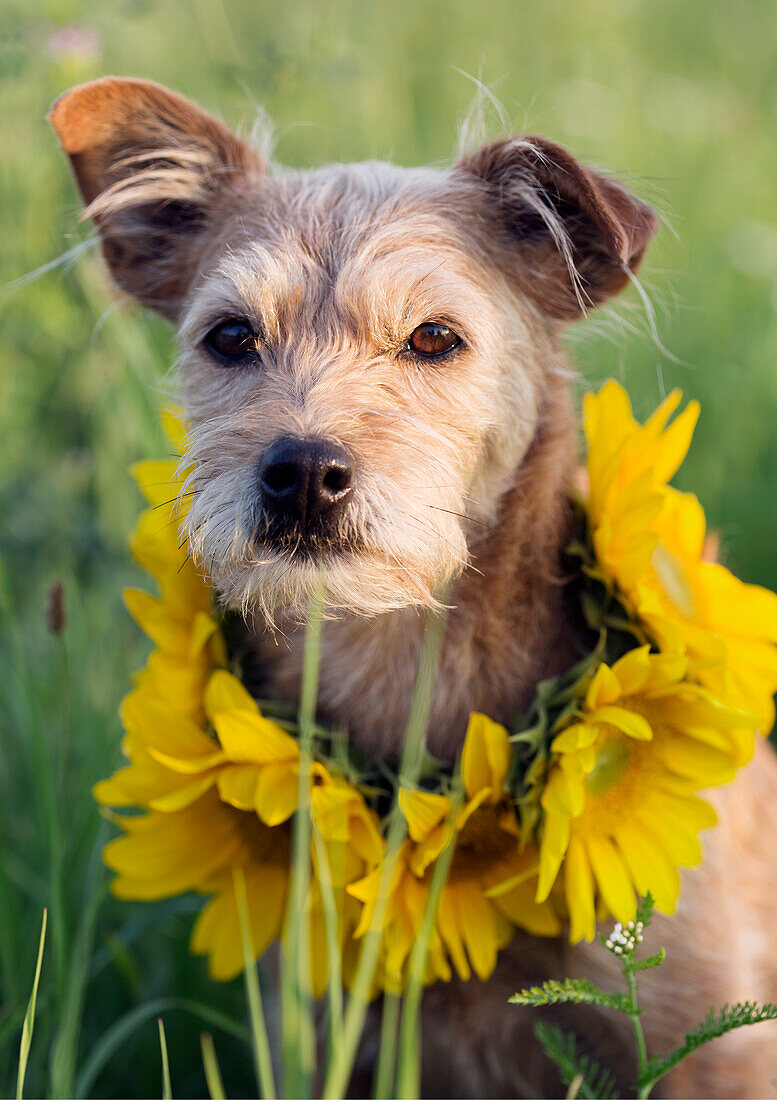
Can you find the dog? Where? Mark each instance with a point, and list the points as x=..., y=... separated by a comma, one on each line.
x=372, y=371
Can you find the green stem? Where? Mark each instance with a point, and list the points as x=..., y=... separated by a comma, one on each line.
x=332, y=928
x=261, y=1040
x=387, y=1055
x=409, y=1071
x=410, y=767
x=639, y=1034
x=299, y=1036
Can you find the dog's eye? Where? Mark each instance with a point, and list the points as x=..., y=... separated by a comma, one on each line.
x=231, y=340
x=432, y=339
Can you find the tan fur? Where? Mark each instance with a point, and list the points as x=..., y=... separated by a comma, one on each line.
x=462, y=470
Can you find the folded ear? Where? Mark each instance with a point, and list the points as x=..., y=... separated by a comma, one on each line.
x=153, y=170
x=577, y=234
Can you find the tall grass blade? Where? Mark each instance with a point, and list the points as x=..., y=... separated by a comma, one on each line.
x=341, y=1065
x=70, y=1006
x=261, y=1040
x=383, y=1086
x=298, y=1025
x=211, y=1066
x=120, y=1033
x=29, y=1016
x=167, y=1088
x=331, y=923
x=409, y=1062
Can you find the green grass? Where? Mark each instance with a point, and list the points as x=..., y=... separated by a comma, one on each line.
x=678, y=95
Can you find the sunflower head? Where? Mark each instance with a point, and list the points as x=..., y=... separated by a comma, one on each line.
x=651, y=540
x=620, y=809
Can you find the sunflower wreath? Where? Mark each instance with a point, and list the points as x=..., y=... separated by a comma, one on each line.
x=590, y=799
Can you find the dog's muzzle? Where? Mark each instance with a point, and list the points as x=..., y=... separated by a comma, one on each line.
x=304, y=486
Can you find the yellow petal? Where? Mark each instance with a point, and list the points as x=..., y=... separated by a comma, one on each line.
x=174, y=425
x=153, y=617
x=612, y=877
x=649, y=866
x=423, y=811
x=277, y=790
x=217, y=930
x=427, y=850
x=633, y=670
x=579, y=892
x=577, y=736
x=555, y=837
x=164, y=854
x=237, y=785
x=564, y=794
x=485, y=758
x=150, y=723
x=633, y=725
x=366, y=838
x=225, y=692
x=251, y=738
x=603, y=689
x=189, y=791
x=147, y=783
x=665, y=669
x=450, y=931
x=480, y=924
x=691, y=759
x=204, y=627
x=157, y=481
x=520, y=907
x=331, y=807
x=680, y=843
x=469, y=808
x=675, y=442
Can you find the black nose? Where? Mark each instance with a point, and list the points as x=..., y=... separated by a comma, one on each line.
x=301, y=479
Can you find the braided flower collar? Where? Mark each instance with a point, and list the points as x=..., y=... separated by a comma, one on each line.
x=590, y=799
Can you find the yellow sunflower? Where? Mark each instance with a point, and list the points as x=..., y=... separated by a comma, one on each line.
x=219, y=805
x=192, y=838
x=218, y=780
x=650, y=538
x=620, y=809
x=492, y=880
x=180, y=621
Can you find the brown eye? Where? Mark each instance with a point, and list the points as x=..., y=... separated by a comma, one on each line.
x=432, y=339
x=231, y=340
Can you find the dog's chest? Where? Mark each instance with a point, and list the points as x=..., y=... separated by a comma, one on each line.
x=368, y=670
x=366, y=676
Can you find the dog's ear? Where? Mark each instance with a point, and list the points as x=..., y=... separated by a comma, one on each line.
x=153, y=170
x=577, y=234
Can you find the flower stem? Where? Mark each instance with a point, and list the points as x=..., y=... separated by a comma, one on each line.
x=387, y=1054
x=341, y=1065
x=409, y=1072
x=636, y=1023
x=299, y=1038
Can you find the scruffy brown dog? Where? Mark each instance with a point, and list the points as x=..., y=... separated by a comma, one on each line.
x=372, y=370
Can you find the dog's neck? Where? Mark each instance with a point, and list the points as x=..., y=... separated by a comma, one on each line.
x=504, y=631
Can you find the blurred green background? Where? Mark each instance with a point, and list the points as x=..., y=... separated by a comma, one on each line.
x=679, y=97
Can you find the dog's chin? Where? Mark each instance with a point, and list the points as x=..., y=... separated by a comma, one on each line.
x=280, y=589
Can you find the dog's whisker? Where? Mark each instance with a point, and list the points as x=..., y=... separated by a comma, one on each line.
x=469, y=519
x=176, y=498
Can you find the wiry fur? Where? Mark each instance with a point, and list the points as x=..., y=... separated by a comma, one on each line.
x=462, y=471
x=433, y=447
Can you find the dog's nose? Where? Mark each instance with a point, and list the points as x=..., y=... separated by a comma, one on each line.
x=304, y=478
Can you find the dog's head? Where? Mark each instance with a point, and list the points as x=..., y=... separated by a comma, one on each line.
x=364, y=349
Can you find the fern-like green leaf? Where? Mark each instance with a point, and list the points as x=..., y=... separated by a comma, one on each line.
x=571, y=991
x=714, y=1025
x=593, y=1082
x=650, y=962
x=646, y=907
